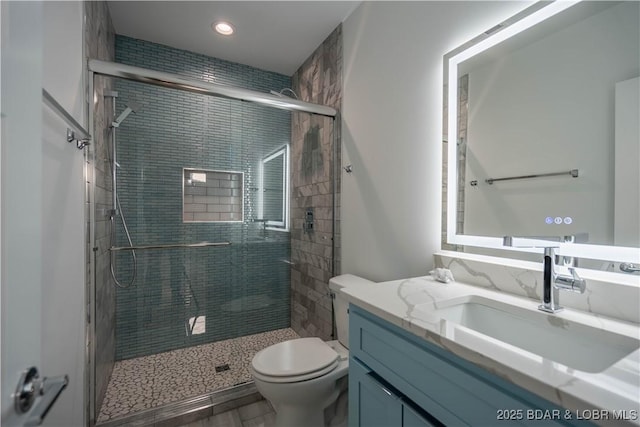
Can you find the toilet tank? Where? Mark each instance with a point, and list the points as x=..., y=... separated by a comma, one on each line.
x=341, y=305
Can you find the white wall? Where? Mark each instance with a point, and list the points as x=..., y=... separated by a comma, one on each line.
x=63, y=321
x=392, y=129
x=554, y=101
x=21, y=147
x=627, y=159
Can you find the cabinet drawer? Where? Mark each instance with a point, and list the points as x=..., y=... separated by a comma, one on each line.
x=451, y=389
x=411, y=418
x=371, y=404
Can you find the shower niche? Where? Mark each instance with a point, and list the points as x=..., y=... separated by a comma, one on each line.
x=212, y=195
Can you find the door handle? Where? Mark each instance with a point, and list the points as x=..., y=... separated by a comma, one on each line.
x=30, y=387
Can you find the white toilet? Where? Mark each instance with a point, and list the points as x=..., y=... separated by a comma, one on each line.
x=300, y=377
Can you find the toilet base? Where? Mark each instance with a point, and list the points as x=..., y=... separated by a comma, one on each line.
x=304, y=415
x=337, y=413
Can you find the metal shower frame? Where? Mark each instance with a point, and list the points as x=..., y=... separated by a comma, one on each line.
x=158, y=78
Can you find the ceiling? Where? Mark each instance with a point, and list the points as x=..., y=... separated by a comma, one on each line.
x=271, y=35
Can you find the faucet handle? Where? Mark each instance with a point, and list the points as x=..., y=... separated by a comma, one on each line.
x=572, y=283
x=579, y=284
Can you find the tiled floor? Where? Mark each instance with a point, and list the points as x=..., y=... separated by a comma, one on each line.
x=258, y=414
x=150, y=381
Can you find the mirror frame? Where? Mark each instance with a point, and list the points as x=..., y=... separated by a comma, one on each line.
x=521, y=21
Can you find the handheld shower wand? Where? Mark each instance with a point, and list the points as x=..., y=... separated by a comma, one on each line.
x=132, y=107
x=116, y=210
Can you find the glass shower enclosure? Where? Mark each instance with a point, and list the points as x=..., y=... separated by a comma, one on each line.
x=197, y=239
x=187, y=178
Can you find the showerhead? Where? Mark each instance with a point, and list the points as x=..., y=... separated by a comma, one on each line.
x=132, y=107
x=282, y=95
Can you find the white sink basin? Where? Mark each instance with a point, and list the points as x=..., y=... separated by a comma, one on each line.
x=573, y=344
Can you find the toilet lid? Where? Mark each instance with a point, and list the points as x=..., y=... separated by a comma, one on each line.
x=294, y=357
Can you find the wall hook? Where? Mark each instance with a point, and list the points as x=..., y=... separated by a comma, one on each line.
x=348, y=168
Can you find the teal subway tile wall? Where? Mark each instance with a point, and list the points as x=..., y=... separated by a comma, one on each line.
x=185, y=297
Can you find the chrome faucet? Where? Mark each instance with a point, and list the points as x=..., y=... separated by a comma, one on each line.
x=552, y=281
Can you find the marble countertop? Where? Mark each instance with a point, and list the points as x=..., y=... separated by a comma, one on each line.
x=410, y=303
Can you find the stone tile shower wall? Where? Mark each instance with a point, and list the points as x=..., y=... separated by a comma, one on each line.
x=185, y=297
x=318, y=80
x=99, y=42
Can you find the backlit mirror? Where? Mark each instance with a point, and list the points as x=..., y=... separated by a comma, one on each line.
x=542, y=132
x=274, y=189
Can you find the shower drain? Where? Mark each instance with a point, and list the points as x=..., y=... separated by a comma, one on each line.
x=222, y=368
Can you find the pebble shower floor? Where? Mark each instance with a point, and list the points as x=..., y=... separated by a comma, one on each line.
x=150, y=381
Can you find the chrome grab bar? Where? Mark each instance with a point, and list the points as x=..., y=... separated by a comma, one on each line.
x=169, y=246
x=81, y=140
x=573, y=172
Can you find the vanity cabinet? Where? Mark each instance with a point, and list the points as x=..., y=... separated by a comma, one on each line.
x=377, y=403
x=399, y=379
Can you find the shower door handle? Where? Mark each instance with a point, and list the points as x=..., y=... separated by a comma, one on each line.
x=41, y=392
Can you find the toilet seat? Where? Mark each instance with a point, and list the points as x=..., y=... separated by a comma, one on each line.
x=295, y=360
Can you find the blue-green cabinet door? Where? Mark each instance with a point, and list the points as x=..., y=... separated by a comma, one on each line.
x=411, y=418
x=371, y=404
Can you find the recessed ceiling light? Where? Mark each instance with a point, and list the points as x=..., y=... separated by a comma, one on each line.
x=223, y=27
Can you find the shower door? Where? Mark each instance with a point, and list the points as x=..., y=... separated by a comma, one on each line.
x=205, y=280
x=189, y=172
